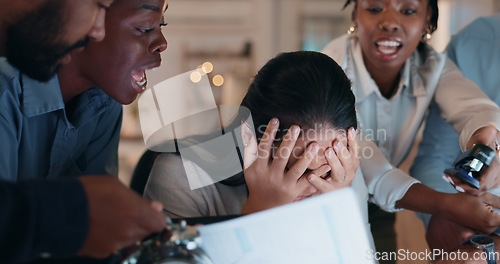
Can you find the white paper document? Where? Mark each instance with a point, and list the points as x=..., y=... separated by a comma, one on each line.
x=325, y=229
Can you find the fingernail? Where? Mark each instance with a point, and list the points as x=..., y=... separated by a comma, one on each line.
x=315, y=148
x=339, y=144
x=274, y=121
x=460, y=189
x=295, y=129
x=326, y=169
x=445, y=178
x=311, y=177
x=451, y=180
x=329, y=153
x=352, y=131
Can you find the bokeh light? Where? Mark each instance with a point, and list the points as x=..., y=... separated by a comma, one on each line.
x=195, y=76
x=207, y=67
x=218, y=80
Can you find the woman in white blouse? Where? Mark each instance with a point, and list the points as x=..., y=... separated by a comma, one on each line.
x=395, y=76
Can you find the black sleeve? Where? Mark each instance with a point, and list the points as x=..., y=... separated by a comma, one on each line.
x=42, y=217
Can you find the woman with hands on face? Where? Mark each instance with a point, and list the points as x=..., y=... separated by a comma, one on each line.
x=309, y=146
x=301, y=167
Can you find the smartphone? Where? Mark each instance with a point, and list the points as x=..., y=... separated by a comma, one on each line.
x=468, y=165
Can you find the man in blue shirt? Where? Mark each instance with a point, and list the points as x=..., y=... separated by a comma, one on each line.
x=91, y=216
x=77, y=138
x=476, y=51
x=73, y=118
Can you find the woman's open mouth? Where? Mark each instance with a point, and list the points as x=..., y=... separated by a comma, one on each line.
x=140, y=79
x=388, y=47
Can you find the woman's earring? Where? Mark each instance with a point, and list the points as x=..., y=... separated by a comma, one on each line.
x=426, y=36
x=352, y=30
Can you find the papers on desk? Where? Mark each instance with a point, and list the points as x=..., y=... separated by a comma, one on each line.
x=325, y=229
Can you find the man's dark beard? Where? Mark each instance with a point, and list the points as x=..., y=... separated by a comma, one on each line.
x=33, y=44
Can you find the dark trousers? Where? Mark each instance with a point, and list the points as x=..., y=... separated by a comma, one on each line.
x=382, y=228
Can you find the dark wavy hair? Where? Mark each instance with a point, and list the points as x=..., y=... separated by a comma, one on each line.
x=303, y=88
x=432, y=5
